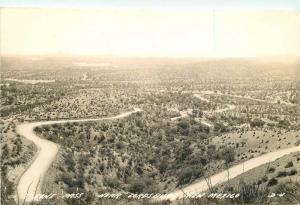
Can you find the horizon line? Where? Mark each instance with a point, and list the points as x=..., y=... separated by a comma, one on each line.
x=143, y=57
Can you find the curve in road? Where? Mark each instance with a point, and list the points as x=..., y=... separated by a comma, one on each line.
x=31, y=180
x=202, y=186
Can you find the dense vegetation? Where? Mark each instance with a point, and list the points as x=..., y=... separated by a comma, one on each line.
x=151, y=151
x=140, y=154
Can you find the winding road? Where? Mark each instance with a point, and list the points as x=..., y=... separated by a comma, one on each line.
x=219, y=110
x=240, y=97
x=221, y=177
x=201, y=186
x=31, y=180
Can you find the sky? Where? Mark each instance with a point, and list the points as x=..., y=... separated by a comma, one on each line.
x=162, y=4
x=151, y=30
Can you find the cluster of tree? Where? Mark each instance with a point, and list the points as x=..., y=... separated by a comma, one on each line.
x=142, y=146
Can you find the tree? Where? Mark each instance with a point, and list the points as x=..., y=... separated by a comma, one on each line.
x=228, y=155
x=272, y=182
x=257, y=123
x=184, y=152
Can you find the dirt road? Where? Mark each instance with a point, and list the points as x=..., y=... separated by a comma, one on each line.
x=31, y=180
x=201, y=186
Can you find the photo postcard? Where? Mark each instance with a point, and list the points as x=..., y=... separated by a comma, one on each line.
x=150, y=102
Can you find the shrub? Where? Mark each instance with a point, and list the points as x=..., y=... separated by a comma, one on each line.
x=228, y=155
x=272, y=182
x=249, y=194
x=7, y=192
x=163, y=166
x=111, y=182
x=183, y=124
x=292, y=190
x=264, y=178
x=137, y=186
x=120, y=145
x=67, y=179
x=183, y=153
x=289, y=164
x=188, y=174
x=271, y=169
x=282, y=174
x=257, y=123
x=292, y=172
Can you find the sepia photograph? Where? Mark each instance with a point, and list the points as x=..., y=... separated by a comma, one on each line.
x=159, y=102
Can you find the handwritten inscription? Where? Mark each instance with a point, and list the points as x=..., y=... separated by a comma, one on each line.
x=40, y=197
x=271, y=195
